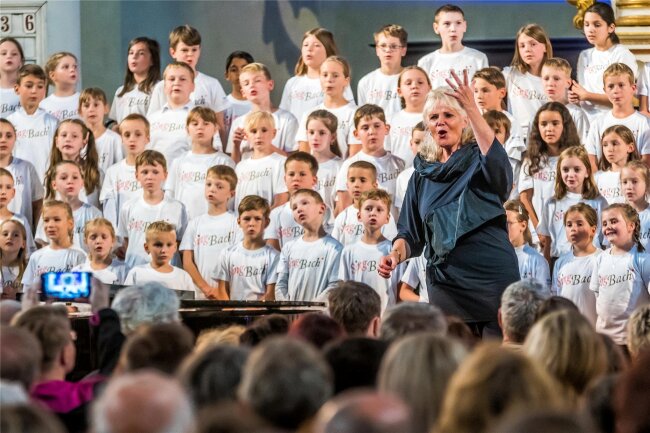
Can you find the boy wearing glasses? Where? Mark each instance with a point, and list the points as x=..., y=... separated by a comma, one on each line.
x=449, y=22
x=380, y=86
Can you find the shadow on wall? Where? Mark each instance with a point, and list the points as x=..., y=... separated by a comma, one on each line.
x=274, y=32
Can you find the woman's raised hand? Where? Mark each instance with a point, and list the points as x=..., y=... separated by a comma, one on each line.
x=461, y=89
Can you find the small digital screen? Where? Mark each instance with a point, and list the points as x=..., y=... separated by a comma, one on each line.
x=66, y=285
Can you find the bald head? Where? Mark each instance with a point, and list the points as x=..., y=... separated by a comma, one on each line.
x=144, y=402
x=363, y=411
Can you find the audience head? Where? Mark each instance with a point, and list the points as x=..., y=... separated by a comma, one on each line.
x=316, y=328
x=212, y=376
x=226, y=336
x=599, y=403
x=355, y=362
x=566, y=344
x=409, y=317
x=160, y=346
x=8, y=309
x=264, y=327
x=363, y=411
x=416, y=369
x=146, y=304
x=632, y=396
x=231, y=417
x=285, y=381
x=492, y=383
x=28, y=418
x=617, y=358
x=543, y=422
x=553, y=304
x=638, y=331
x=356, y=307
x=519, y=304
x=20, y=356
x=143, y=402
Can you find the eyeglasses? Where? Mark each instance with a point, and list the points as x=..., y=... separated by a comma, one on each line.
x=391, y=47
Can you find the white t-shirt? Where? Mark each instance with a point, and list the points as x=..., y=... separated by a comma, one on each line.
x=571, y=279
x=284, y=227
x=135, y=217
x=360, y=261
x=81, y=216
x=109, y=149
x=401, y=185
x=345, y=131
x=177, y=279
x=415, y=276
x=207, y=93
x=301, y=94
x=115, y=273
x=327, y=172
x=208, y=237
x=348, y=229
x=307, y=271
x=643, y=85
x=262, y=176
x=581, y=120
x=609, y=185
x=644, y=217
x=168, y=133
x=61, y=107
x=515, y=147
x=379, y=89
x=388, y=167
x=637, y=122
x=34, y=138
x=438, y=64
x=48, y=260
x=551, y=222
x=591, y=66
x=237, y=109
x=27, y=185
x=398, y=141
x=621, y=284
x=248, y=271
x=285, y=137
x=119, y=187
x=525, y=96
x=9, y=102
x=29, y=237
x=533, y=265
x=542, y=183
x=186, y=180
x=133, y=101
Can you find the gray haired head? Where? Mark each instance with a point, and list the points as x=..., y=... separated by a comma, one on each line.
x=519, y=304
x=408, y=317
x=147, y=303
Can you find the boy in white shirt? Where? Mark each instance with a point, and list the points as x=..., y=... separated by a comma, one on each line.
x=256, y=85
x=309, y=266
x=620, y=88
x=371, y=129
x=263, y=173
x=556, y=77
x=360, y=260
x=168, y=133
x=92, y=109
x=248, y=270
x=380, y=86
x=160, y=244
x=209, y=235
x=139, y=212
x=362, y=177
x=239, y=105
x=185, y=46
x=186, y=179
x=449, y=22
x=120, y=184
x=300, y=170
x=34, y=127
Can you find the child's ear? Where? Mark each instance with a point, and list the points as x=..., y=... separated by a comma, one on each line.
x=501, y=92
x=267, y=221
x=356, y=132
x=275, y=131
x=435, y=28
x=146, y=247
x=172, y=52
x=387, y=128
x=271, y=85
x=359, y=216
x=232, y=194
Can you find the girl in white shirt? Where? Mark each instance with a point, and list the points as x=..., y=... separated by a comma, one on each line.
x=599, y=27
x=321, y=136
x=99, y=237
x=621, y=275
x=413, y=86
x=13, y=257
x=552, y=131
x=572, y=270
x=618, y=148
x=531, y=263
x=635, y=183
x=523, y=77
x=142, y=74
x=574, y=184
x=13, y=58
x=63, y=73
